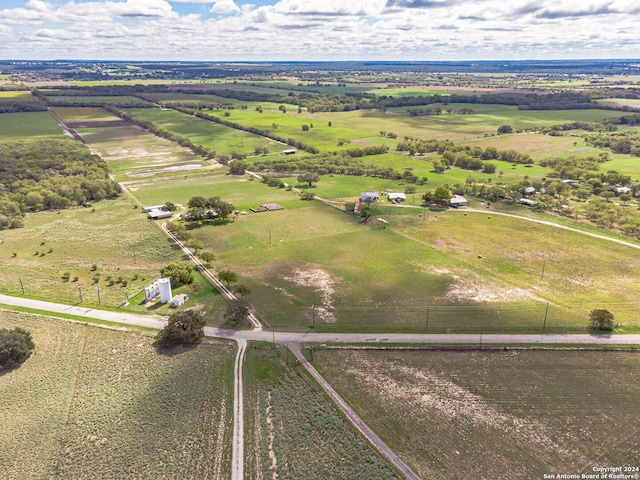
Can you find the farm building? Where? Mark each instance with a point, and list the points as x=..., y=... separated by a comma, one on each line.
x=267, y=207
x=369, y=197
x=458, y=201
x=396, y=197
x=178, y=300
x=158, y=214
x=160, y=288
x=152, y=208
x=290, y=151
x=529, y=191
x=527, y=202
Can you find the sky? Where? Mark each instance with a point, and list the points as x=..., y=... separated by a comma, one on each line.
x=324, y=30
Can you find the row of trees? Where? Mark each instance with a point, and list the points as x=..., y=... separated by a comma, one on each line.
x=452, y=154
x=49, y=175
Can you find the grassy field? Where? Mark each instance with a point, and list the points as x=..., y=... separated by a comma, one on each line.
x=28, y=127
x=16, y=96
x=208, y=134
x=292, y=432
x=472, y=414
x=96, y=100
x=84, y=114
x=621, y=102
x=316, y=255
x=133, y=153
x=107, y=235
x=96, y=403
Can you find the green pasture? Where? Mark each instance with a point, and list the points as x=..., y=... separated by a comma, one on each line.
x=491, y=279
x=242, y=192
x=96, y=100
x=490, y=117
x=211, y=135
x=192, y=98
x=86, y=114
x=544, y=411
x=627, y=164
x=93, y=402
x=20, y=96
x=537, y=145
x=119, y=240
x=292, y=431
x=28, y=127
x=289, y=125
x=133, y=153
x=621, y=102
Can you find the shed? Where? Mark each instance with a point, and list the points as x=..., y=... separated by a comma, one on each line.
x=179, y=300
x=290, y=151
x=159, y=214
x=526, y=201
x=369, y=196
x=396, y=197
x=458, y=201
x=152, y=208
x=529, y=190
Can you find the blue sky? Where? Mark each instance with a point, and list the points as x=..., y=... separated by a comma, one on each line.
x=227, y=30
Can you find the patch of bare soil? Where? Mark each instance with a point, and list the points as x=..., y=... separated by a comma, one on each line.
x=322, y=282
x=272, y=437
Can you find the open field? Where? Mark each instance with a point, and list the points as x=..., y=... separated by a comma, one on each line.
x=84, y=114
x=211, y=135
x=16, y=96
x=426, y=272
x=494, y=414
x=96, y=100
x=97, y=403
x=28, y=127
x=621, y=102
x=292, y=432
x=119, y=240
x=133, y=153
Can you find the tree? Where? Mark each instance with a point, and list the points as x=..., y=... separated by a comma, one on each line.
x=242, y=290
x=601, y=320
x=236, y=312
x=236, y=167
x=195, y=244
x=179, y=273
x=15, y=347
x=504, y=129
x=309, y=177
x=208, y=257
x=441, y=196
x=169, y=207
x=227, y=276
x=185, y=327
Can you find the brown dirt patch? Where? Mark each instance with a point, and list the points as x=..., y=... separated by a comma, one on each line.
x=322, y=282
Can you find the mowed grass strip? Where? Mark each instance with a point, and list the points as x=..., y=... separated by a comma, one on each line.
x=28, y=127
x=99, y=403
x=496, y=414
x=291, y=430
x=20, y=96
x=211, y=135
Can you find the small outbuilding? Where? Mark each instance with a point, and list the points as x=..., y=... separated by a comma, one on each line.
x=396, y=197
x=178, y=300
x=527, y=202
x=369, y=197
x=290, y=151
x=458, y=201
x=158, y=214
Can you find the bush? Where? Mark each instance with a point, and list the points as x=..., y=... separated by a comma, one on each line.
x=15, y=347
x=179, y=273
x=183, y=328
x=601, y=320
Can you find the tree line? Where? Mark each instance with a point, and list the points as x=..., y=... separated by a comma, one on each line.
x=49, y=175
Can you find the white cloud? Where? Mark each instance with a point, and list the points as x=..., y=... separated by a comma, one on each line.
x=224, y=7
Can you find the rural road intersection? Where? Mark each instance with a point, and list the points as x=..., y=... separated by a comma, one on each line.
x=293, y=340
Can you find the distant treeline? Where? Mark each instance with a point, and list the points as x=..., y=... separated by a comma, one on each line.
x=17, y=107
x=49, y=175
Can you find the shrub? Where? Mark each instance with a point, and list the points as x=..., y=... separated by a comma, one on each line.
x=15, y=347
x=185, y=327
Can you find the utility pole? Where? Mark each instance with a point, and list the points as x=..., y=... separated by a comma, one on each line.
x=98, y=290
x=313, y=316
x=544, y=263
x=80, y=292
x=21, y=285
x=546, y=311
x=426, y=325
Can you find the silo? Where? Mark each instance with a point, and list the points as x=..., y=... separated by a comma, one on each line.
x=165, y=289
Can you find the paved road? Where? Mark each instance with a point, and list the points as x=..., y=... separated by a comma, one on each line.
x=354, y=418
x=312, y=337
